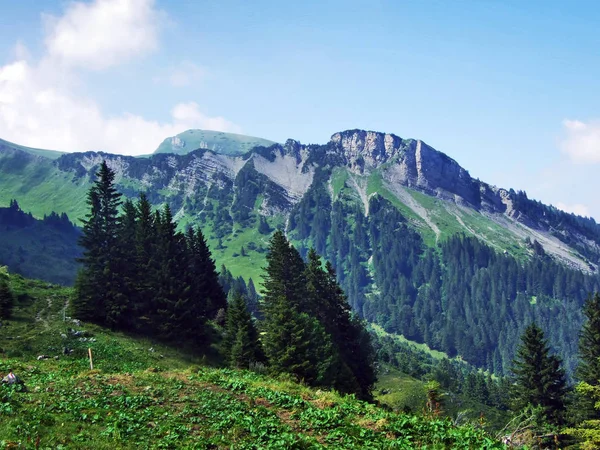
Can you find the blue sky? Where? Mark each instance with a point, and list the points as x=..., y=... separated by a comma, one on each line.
x=508, y=89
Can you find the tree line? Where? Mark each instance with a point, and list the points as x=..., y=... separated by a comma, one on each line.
x=140, y=274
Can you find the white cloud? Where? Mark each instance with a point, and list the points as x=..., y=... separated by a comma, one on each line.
x=185, y=74
x=103, y=33
x=39, y=104
x=38, y=114
x=582, y=141
x=576, y=208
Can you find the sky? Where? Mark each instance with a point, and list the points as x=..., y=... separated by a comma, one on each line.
x=509, y=88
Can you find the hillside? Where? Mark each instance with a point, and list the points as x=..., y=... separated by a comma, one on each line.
x=45, y=249
x=50, y=154
x=420, y=247
x=141, y=393
x=216, y=141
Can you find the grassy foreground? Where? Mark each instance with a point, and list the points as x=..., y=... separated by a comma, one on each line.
x=145, y=395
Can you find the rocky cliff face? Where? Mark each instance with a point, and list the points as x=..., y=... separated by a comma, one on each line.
x=364, y=150
x=416, y=165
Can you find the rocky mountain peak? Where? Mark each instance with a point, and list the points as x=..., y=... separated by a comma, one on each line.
x=368, y=148
x=293, y=148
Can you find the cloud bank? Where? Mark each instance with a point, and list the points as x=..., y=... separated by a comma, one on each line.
x=38, y=103
x=581, y=141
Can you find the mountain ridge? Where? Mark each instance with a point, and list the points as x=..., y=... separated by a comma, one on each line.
x=398, y=164
x=388, y=213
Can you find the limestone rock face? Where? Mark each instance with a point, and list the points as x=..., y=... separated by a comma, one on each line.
x=408, y=162
x=367, y=149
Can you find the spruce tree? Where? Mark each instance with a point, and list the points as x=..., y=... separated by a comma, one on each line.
x=284, y=275
x=121, y=314
x=241, y=345
x=588, y=371
x=145, y=262
x=6, y=298
x=97, y=285
x=171, y=299
x=539, y=377
x=589, y=342
x=293, y=341
x=204, y=277
x=328, y=303
x=253, y=300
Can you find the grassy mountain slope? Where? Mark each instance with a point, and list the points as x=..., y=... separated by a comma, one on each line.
x=142, y=394
x=50, y=154
x=218, y=141
x=39, y=186
x=45, y=249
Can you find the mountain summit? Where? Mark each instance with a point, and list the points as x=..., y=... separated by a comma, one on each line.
x=217, y=141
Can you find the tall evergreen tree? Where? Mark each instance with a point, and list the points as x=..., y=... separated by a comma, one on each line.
x=539, y=377
x=294, y=342
x=121, y=314
x=284, y=275
x=588, y=370
x=589, y=342
x=171, y=301
x=241, y=345
x=253, y=300
x=97, y=286
x=6, y=298
x=145, y=262
x=327, y=302
x=204, y=279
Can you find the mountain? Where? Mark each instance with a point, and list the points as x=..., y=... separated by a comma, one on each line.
x=217, y=141
x=44, y=249
x=50, y=154
x=421, y=247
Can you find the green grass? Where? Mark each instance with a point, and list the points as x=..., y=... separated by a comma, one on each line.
x=376, y=185
x=417, y=346
x=249, y=266
x=438, y=214
x=41, y=188
x=495, y=234
x=402, y=392
x=142, y=394
x=338, y=180
x=254, y=243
